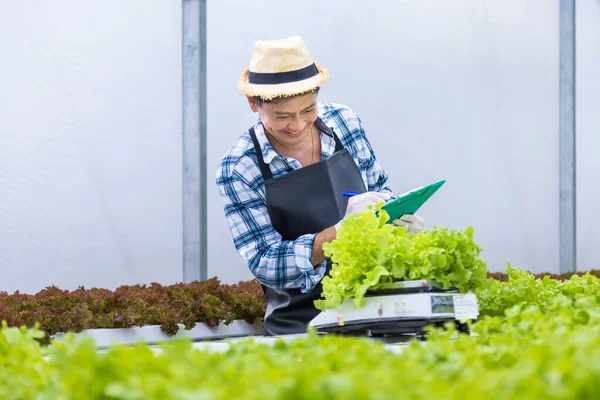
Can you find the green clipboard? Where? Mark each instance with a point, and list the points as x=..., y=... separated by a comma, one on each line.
x=410, y=202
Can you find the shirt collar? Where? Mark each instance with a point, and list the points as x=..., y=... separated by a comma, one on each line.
x=269, y=152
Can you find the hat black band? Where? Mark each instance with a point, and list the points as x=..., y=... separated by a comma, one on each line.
x=274, y=78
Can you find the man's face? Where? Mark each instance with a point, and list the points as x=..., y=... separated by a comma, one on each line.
x=288, y=121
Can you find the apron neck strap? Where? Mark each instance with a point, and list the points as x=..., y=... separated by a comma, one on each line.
x=264, y=168
x=338, y=143
x=321, y=126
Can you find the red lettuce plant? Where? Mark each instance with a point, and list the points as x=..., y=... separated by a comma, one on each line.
x=503, y=277
x=209, y=302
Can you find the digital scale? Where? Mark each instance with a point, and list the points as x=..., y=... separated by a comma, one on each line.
x=400, y=309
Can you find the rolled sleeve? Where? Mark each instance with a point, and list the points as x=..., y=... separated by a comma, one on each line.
x=285, y=264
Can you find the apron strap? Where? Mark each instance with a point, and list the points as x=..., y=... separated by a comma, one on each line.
x=338, y=143
x=322, y=126
x=264, y=168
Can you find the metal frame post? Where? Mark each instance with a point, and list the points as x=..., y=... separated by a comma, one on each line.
x=567, y=152
x=194, y=140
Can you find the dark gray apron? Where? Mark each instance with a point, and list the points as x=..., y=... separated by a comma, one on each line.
x=306, y=200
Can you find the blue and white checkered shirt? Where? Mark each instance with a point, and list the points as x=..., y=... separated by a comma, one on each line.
x=273, y=261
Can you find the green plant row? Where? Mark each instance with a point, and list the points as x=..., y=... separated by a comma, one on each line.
x=525, y=288
x=208, y=302
x=530, y=352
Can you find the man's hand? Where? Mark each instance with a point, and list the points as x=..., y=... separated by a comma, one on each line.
x=361, y=202
x=325, y=236
x=413, y=223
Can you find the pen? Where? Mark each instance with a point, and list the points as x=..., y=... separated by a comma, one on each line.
x=350, y=193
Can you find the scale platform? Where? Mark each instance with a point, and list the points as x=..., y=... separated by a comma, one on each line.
x=400, y=309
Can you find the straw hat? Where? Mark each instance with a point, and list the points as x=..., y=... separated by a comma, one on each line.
x=281, y=68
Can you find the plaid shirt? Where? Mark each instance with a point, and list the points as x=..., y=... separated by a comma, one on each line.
x=273, y=261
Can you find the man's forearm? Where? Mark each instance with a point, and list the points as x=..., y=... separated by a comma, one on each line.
x=322, y=237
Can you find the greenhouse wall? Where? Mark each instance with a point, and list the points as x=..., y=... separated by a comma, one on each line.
x=90, y=143
x=90, y=125
x=462, y=91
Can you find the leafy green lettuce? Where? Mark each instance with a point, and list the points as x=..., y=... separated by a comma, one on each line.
x=522, y=287
x=528, y=353
x=369, y=253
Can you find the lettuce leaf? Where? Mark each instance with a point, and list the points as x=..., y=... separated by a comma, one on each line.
x=369, y=253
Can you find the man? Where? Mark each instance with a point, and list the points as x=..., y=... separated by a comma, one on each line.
x=282, y=181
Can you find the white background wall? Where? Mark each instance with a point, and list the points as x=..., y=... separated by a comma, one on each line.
x=90, y=124
x=463, y=91
x=588, y=133
x=90, y=143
